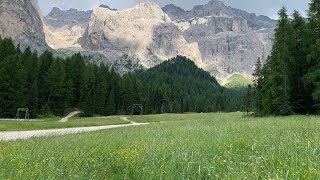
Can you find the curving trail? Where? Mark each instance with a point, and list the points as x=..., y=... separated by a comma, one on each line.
x=65, y=119
x=15, y=135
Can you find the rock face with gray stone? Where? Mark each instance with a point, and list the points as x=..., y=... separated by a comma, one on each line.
x=64, y=28
x=230, y=40
x=220, y=39
x=21, y=20
x=143, y=34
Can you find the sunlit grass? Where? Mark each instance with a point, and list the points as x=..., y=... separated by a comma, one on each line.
x=210, y=146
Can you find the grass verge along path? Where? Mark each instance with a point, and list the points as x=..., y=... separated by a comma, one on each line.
x=53, y=123
x=6, y=136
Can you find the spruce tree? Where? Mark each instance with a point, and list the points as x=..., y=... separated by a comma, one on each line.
x=31, y=66
x=56, y=86
x=88, y=105
x=110, y=103
x=257, y=87
x=12, y=83
x=75, y=70
x=101, y=88
x=312, y=78
x=45, y=61
x=7, y=48
x=277, y=86
x=300, y=98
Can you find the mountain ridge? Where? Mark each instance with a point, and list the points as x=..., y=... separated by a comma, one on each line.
x=220, y=39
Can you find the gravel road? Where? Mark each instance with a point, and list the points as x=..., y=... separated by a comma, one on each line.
x=15, y=135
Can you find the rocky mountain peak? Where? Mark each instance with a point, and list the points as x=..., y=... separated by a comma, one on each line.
x=55, y=11
x=21, y=20
x=174, y=11
x=64, y=28
x=59, y=18
x=143, y=34
x=108, y=7
x=215, y=3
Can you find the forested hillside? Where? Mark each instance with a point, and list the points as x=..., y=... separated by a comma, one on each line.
x=51, y=85
x=290, y=80
x=178, y=85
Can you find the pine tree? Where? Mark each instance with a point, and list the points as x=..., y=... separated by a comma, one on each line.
x=31, y=67
x=56, y=86
x=101, y=88
x=75, y=72
x=110, y=103
x=88, y=105
x=300, y=98
x=45, y=61
x=312, y=78
x=257, y=87
x=277, y=80
x=248, y=99
x=7, y=48
x=12, y=82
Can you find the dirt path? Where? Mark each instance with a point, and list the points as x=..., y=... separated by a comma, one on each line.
x=126, y=119
x=15, y=135
x=65, y=119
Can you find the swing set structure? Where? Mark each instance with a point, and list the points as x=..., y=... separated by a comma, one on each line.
x=25, y=111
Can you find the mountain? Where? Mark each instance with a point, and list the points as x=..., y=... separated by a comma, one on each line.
x=230, y=40
x=220, y=39
x=108, y=7
x=21, y=20
x=143, y=33
x=64, y=28
x=218, y=9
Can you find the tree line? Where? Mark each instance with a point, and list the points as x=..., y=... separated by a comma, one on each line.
x=50, y=85
x=289, y=82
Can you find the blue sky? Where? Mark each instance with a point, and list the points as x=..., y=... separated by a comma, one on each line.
x=260, y=7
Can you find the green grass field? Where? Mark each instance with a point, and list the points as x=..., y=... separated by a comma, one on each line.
x=190, y=146
x=237, y=80
x=53, y=123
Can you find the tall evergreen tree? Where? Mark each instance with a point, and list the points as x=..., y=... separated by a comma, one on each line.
x=56, y=86
x=6, y=48
x=45, y=61
x=278, y=80
x=257, y=87
x=312, y=78
x=300, y=98
x=31, y=67
x=101, y=88
x=110, y=103
x=12, y=82
x=88, y=105
x=75, y=71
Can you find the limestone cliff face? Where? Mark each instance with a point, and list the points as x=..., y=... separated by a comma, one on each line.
x=220, y=39
x=64, y=28
x=230, y=40
x=143, y=33
x=21, y=20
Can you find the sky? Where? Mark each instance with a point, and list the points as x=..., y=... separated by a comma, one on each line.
x=260, y=7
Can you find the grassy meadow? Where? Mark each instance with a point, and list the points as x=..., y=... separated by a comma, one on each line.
x=190, y=146
x=237, y=80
